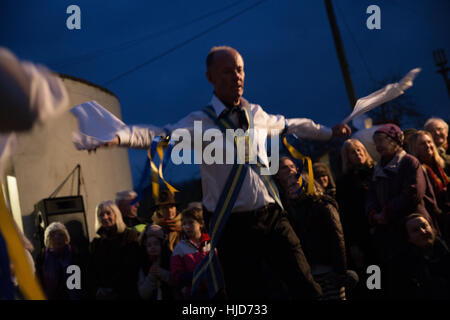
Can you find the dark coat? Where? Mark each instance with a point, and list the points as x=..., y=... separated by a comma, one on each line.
x=398, y=188
x=352, y=189
x=446, y=156
x=115, y=262
x=416, y=275
x=59, y=291
x=318, y=226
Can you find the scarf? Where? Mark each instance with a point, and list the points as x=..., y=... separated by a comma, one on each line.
x=172, y=227
x=439, y=180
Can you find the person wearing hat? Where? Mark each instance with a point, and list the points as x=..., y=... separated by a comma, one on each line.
x=154, y=275
x=168, y=218
x=128, y=206
x=397, y=189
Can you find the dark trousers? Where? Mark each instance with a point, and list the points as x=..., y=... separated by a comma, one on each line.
x=259, y=251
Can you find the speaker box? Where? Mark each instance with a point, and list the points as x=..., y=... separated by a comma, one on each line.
x=67, y=210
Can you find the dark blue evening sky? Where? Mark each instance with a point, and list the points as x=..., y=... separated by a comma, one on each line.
x=290, y=59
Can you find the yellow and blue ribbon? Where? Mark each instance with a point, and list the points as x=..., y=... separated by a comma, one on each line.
x=161, y=146
x=304, y=159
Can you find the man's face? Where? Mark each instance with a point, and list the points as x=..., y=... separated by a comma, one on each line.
x=420, y=232
x=227, y=76
x=439, y=133
x=128, y=208
x=287, y=177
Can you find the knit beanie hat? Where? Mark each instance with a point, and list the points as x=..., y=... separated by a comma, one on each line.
x=392, y=131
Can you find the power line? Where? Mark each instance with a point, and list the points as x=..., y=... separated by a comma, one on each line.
x=130, y=43
x=356, y=45
x=183, y=43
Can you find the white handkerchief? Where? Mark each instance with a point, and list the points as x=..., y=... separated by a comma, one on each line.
x=96, y=125
x=389, y=92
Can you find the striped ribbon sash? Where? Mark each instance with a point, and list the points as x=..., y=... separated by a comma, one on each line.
x=209, y=268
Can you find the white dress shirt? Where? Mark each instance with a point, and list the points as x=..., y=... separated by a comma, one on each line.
x=253, y=194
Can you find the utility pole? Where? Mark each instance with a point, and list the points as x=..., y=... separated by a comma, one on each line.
x=441, y=60
x=341, y=54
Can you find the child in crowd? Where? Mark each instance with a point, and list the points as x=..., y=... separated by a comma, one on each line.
x=154, y=275
x=189, y=253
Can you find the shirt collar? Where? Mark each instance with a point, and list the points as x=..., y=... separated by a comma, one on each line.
x=218, y=105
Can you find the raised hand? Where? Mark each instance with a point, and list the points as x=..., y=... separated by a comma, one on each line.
x=341, y=130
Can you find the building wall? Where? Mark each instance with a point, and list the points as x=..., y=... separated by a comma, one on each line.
x=46, y=156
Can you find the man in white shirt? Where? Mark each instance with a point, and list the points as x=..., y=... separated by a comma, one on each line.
x=257, y=230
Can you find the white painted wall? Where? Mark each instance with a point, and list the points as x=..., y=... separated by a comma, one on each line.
x=46, y=156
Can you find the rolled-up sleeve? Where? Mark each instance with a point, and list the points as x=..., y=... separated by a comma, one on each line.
x=302, y=127
x=308, y=129
x=141, y=137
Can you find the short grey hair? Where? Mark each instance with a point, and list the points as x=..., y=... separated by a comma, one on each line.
x=125, y=195
x=54, y=227
x=431, y=121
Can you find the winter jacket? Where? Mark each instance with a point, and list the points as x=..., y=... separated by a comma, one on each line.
x=352, y=189
x=51, y=270
x=318, y=226
x=115, y=261
x=397, y=189
x=153, y=288
x=414, y=274
x=185, y=258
